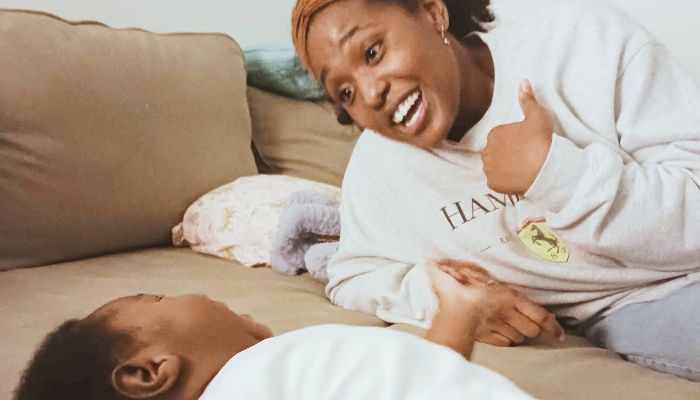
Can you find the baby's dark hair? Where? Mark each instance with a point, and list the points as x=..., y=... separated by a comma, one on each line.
x=466, y=16
x=75, y=362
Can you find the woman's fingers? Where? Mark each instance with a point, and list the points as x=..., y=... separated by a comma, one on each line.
x=463, y=271
x=496, y=339
x=509, y=333
x=540, y=316
x=454, y=274
x=523, y=324
x=533, y=311
x=552, y=326
x=459, y=264
x=445, y=285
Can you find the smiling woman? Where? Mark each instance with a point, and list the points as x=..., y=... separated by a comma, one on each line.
x=371, y=41
x=575, y=110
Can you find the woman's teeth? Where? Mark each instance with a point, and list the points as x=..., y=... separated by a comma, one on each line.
x=405, y=107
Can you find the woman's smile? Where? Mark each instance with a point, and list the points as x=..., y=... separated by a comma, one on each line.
x=410, y=114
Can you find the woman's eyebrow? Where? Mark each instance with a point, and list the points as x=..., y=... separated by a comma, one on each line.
x=348, y=35
x=342, y=42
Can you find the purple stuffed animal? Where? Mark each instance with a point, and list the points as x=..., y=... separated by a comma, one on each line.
x=307, y=236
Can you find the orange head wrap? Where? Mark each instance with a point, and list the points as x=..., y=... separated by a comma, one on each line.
x=301, y=16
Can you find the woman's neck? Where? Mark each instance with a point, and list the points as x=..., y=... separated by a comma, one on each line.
x=477, y=82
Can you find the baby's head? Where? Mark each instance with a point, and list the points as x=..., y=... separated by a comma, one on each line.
x=139, y=347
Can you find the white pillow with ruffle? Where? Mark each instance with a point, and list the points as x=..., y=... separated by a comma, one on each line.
x=237, y=220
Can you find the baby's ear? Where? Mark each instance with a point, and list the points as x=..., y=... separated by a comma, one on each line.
x=146, y=377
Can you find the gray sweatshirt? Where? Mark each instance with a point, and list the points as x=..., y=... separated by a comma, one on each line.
x=613, y=217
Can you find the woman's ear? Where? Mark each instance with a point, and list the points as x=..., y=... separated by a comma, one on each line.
x=437, y=12
x=145, y=377
x=343, y=117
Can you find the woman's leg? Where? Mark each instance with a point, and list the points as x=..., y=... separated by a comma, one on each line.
x=663, y=335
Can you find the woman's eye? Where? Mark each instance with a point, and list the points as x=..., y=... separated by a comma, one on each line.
x=372, y=53
x=344, y=95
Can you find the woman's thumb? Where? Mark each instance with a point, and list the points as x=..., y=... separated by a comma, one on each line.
x=528, y=102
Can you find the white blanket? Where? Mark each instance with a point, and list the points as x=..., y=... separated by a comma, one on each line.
x=354, y=363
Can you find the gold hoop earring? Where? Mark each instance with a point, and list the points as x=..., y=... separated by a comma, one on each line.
x=444, y=38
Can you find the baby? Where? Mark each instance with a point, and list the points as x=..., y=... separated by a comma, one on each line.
x=189, y=347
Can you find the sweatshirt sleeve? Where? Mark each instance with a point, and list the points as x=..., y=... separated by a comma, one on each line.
x=640, y=205
x=395, y=292
x=373, y=270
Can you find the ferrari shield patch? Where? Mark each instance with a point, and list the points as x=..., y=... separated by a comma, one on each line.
x=542, y=241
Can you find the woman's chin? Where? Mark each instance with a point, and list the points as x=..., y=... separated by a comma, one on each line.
x=431, y=141
x=428, y=138
x=430, y=134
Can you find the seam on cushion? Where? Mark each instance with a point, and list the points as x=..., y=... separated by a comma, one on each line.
x=79, y=23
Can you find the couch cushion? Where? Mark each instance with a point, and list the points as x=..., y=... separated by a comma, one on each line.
x=106, y=136
x=35, y=300
x=300, y=138
x=576, y=370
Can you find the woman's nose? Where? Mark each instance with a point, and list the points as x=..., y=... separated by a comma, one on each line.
x=374, y=91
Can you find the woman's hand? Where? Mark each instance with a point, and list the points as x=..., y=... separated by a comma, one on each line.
x=506, y=317
x=515, y=153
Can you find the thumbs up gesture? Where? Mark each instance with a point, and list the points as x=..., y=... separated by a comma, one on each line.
x=515, y=153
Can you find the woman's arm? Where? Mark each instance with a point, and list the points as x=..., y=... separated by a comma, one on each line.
x=637, y=199
x=405, y=293
x=396, y=292
x=644, y=211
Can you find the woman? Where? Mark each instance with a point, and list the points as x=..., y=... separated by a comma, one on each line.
x=578, y=187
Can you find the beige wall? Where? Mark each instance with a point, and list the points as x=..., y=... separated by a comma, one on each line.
x=267, y=21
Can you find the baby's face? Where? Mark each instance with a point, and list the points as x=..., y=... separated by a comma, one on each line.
x=183, y=322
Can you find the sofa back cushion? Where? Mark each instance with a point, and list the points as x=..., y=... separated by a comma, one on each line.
x=300, y=138
x=107, y=136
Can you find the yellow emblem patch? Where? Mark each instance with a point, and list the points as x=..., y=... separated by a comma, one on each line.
x=542, y=241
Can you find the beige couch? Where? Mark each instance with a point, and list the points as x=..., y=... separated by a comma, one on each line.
x=107, y=136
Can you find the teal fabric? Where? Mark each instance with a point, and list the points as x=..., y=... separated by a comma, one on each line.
x=278, y=70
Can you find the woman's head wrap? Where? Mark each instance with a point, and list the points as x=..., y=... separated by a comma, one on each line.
x=301, y=17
